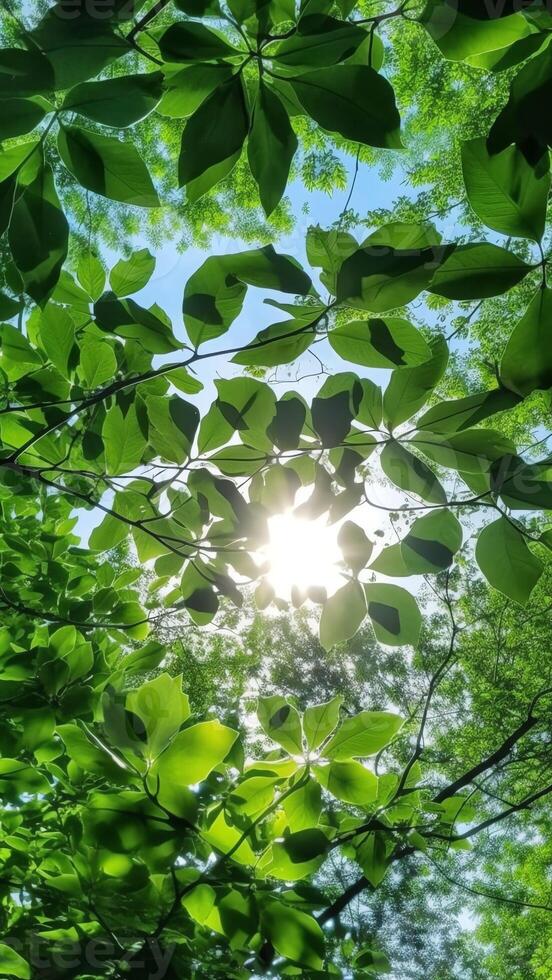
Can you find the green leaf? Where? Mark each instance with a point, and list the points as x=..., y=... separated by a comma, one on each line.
x=162, y=707
x=98, y=363
x=371, y=854
x=91, y=275
x=281, y=722
x=107, y=166
x=320, y=720
x=57, y=334
x=342, y=615
x=15, y=156
x=117, y=102
x=38, y=236
x=462, y=413
x=24, y=73
x=214, y=295
x=12, y=964
x=522, y=120
x=506, y=561
x=462, y=37
x=349, y=781
x=108, y=534
x=190, y=41
x=410, y=388
x=20, y=116
x=303, y=807
x=395, y=616
x=281, y=343
x=505, y=191
x=293, y=934
x=190, y=86
x=123, y=441
x=243, y=405
x=431, y=543
x=192, y=755
x=151, y=328
x=173, y=425
x=215, y=133
x=363, y=735
x=379, y=276
x=410, y=473
x=477, y=271
x=299, y=855
x=355, y=545
x=77, y=50
x=352, y=100
x=373, y=960
x=378, y=343
x=469, y=451
x=132, y=274
x=328, y=250
x=527, y=360
x=271, y=147
x=319, y=41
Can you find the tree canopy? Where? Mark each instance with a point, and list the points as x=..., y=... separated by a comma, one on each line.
x=202, y=776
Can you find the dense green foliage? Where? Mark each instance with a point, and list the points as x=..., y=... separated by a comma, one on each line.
x=224, y=820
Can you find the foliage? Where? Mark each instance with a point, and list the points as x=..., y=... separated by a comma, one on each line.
x=195, y=841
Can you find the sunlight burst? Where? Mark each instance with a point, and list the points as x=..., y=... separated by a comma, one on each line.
x=302, y=553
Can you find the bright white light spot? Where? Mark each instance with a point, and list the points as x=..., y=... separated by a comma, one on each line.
x=302, y=553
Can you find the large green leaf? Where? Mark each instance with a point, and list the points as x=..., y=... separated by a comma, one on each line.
x=410, y=473
x=477, y=271
x=352, y=100
x=12, y=964
x=107, y=166
x=380, y=277
x=462, y=413
x=117, y=102
x=132, y=274
x=469, y=451
x=191, y=41
x=214, y=295
x=215, y=133
x=125, y=318
x=20, y=116
x=462, y=33
x=349, y=781
x=410, y=387
x=320, y=720
x=293, y=934
x=319, y=41
x=281, y=722
x=77, y=42
x=162, y=707
x=506, y=561
x=193, y=754
x=505, y=191
x=363, y=735
x=39, y=236
x=527, y=361
x=380, y=343
x=395, y=615
x=173, y=424
x=189, y=87
x=57, y=333
x=522, y=120
x=24, y=73
x=431, y=543
x=123, y=439
x=271, y=147
x=342, y=615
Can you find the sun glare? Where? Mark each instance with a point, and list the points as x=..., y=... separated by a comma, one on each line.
x=302, y=553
